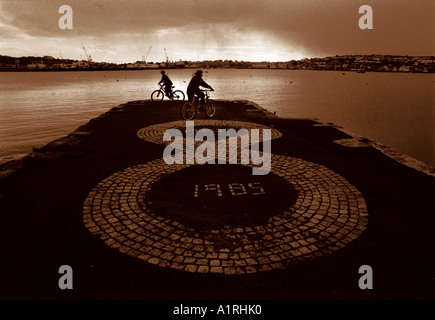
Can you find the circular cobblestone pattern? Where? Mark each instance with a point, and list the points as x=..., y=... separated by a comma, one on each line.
x=327, y=213
x=154, y=133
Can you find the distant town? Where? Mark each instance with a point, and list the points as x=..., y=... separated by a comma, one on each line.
x=356, y=63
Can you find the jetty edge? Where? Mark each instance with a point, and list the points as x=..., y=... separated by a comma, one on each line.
x=42, y=197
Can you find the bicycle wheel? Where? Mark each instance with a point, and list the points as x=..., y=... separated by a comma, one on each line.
x=178, y=95
x=210, y=108
x=157, y=95
x=188, y=110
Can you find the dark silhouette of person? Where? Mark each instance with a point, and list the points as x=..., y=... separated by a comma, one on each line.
x=193, y=87
x=167, y=83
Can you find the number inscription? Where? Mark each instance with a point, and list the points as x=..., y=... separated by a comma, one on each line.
x=235, y=189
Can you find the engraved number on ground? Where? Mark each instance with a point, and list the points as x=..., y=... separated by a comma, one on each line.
x=235, y=189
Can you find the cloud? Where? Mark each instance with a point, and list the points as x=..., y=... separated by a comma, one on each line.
x=281, y=28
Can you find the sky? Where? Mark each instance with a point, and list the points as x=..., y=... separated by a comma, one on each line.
x=122, y=31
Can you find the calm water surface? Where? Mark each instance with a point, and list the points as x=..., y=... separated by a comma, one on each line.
x=397, y=110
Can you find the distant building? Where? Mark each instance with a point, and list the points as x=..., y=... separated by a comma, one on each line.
x=36, y=66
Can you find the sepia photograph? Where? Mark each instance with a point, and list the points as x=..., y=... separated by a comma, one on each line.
x=217, y=159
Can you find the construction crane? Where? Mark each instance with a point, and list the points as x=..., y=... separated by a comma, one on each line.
x=88, y=57
x=144, y=57
x=166, y=55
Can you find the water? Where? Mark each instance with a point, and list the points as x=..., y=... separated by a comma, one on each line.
x=397, y=110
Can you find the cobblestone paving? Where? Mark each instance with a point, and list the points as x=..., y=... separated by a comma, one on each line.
x=155, y=133
x=328, y=214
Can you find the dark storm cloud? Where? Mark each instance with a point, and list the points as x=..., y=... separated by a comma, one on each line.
x=100, y=18
x=320, y=27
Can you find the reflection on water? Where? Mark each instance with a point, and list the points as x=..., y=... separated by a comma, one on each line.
x=394, y=109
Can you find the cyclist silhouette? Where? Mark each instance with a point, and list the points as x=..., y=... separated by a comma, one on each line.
x=167, y=83
x=193, y=87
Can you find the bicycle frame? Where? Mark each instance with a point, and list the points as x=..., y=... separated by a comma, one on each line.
x=162, y=89
x=196, y=107
x=206, y=95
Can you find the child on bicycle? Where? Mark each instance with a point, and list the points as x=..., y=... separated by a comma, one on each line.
x=167, y=83
x=193, y=87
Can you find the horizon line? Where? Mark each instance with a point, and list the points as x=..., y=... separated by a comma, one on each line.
x=236, y=60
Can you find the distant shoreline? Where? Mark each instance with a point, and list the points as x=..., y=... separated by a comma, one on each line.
x=356, y=63
x=191, y=68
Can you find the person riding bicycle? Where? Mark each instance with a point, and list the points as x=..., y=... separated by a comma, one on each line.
x=167, y=83
x=193, y=87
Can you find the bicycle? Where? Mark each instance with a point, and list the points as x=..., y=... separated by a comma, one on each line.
x=190, y=108
x=159, y=94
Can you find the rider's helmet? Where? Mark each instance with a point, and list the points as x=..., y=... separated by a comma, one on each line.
x=162, y=72
x=198, y=73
